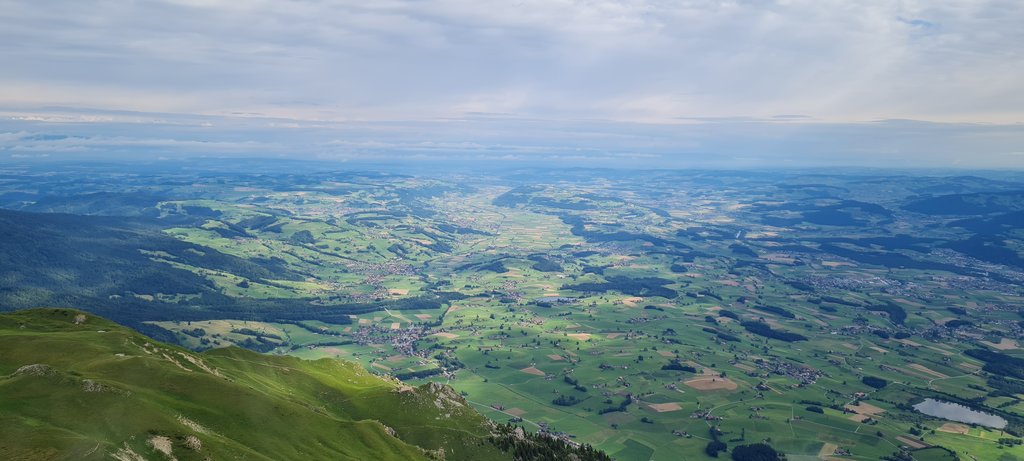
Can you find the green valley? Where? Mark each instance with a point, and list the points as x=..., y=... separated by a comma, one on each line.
x=650, y=314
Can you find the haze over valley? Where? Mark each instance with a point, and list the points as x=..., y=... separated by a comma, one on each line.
x=537, y=230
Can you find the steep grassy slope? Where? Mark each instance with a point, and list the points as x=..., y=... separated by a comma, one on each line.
x=74, y=386
x=103, y=262
x=129, y=270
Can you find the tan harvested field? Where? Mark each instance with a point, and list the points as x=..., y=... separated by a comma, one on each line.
x=533, y=371
x=914, y=374
x=908, y=302
x=364, y=321
x=971, y=367
x=954, y=428
x=865, y=409
x=849, y=346
x=224, y=327
x=911, y=442
x=347, y=330
x=1005, y=344
x=516, y=411
x=827, y=450
x=710, y=383
x=859, y=418
x=767, y=315
x=553, y=295
x=423, y=316
x=665, y=407
x=556, y=357
x=396, y=325
x=879, y=349
x=446, y=335
x=778, y=258
x=836, y=263
x=632, y=301
x=927, y=370
x=580, y=336
x=729, y=283
x=399, y=316
x=334, y=351
x=744, y=367
x=398, y=291
x=613, y=335
x=666, y=354
x=940, y=350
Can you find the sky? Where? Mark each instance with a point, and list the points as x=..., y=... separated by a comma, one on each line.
x=681, y=83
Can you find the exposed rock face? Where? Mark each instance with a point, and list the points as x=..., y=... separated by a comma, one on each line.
x=89, y=385
x=193, y=425
x=43, y=370
x=193, y=443
x=126, y=454
x=163, y=445
x=36, y=369
x=438, y=454
x=444, y=396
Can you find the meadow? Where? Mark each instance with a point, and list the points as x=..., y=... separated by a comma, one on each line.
x=645, y=314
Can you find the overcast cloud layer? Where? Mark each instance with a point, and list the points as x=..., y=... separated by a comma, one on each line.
x=673, y=82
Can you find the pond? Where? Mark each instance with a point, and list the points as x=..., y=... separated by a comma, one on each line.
x=957, y=412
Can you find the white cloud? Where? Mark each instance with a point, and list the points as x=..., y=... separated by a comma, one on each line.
x=675, y=76
x=624, y=60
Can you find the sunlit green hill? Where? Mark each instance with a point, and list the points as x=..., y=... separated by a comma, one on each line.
x=75, y=386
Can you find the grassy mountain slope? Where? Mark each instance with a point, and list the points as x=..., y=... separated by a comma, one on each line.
x=129, y=270
x=91, y=389
x=48, y=258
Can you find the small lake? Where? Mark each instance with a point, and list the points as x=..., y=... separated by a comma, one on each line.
x=957, y=412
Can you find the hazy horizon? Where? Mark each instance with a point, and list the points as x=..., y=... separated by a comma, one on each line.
x=699, y=84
